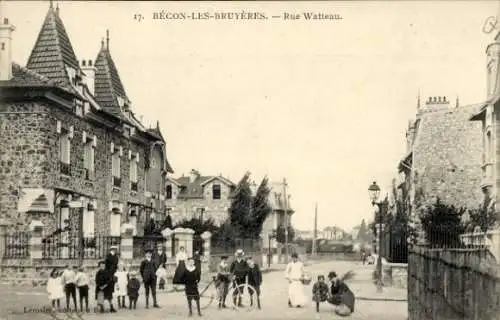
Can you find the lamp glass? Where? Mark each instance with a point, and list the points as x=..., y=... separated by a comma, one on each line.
x=374, y=191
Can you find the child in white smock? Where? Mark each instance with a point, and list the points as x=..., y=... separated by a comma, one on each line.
x=55, y=288
x=121, y=276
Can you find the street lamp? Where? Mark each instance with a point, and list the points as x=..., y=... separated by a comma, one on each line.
x=374, y=192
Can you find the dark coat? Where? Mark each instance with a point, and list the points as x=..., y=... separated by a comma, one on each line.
x=133, y=287
x=111, y=263
x=148, y=271
x=239, y=269
x=320, y=292
x=160, y=259
x=190, y=281
x=254, y=276
x=197, y=262
x=104, y=277
x=341, y=294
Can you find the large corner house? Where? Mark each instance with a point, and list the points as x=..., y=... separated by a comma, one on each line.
x=72, y=154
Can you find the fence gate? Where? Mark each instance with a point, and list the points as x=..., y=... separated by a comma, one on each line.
x=198, y=244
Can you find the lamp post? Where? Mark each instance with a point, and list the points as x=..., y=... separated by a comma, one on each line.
x=374, y=192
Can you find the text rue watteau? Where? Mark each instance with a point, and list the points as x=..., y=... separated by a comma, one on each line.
x=311, y=16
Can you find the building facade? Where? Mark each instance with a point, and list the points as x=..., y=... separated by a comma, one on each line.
x=69, y=136
x=488, y=116
x=443, y=158
x=198, y=196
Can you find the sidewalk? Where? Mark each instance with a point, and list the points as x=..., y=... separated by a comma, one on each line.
x=364, y=287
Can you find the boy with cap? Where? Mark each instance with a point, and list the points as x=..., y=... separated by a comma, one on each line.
x=223, y=281
x=133, y=287
x=148, y=274
x=254, y=279
x=239, y=269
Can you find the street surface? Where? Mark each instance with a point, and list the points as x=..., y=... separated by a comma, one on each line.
x=274, y=301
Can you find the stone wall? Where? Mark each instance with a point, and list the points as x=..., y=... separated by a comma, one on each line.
x=453, y=284
x=447, y=156
x=30, y=159
x=396, y=275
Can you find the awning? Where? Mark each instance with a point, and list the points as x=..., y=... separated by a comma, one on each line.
x=31, y=199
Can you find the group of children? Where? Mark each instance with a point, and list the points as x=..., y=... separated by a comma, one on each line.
x=65, y=284
x=338, y=294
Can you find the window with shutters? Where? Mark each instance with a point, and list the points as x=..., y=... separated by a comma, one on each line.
x=65, y=153
x=216, y=191
x=169, y=191
x=115, y=224
x=88, y=223
x=89, y=159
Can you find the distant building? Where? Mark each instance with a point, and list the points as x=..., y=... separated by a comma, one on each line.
x=304, y=234
x=198, y=196
x=334, y=233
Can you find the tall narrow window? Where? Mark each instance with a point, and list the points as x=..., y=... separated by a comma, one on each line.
x=65, y=153
x=133, y=172
x=116, y=168
x=89, y=159
x=115, y=224
x=169, y=191
x=216, y=191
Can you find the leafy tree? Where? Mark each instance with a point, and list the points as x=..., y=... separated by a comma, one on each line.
x=225, y=235
x=442, y=224
x=260, y=208
x=197, y=225
x=484, y=217
x=241, y=207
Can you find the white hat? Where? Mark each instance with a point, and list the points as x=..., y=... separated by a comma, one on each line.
x=239, y=252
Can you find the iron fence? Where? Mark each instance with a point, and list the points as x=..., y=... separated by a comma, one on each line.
x=16, y=245
x=66, y=245
x=394, y=245
x=141, y=244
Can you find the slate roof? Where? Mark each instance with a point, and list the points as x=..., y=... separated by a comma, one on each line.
x=53, y=51
x=23, y=77
x=108, y=85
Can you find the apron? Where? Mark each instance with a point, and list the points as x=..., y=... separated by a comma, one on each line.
x=296, y=293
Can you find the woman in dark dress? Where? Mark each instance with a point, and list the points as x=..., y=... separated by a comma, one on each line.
x=104, y=283
x=341, y=296
x=181, y=258
x=190, y=279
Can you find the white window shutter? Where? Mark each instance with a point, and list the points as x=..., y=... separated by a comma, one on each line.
x=59, y=127
x=84, y=137
x=121, y=151
x=71, y=132
x=130, y=154
x=110, y=205
x=137, y=157
x=112, y=147
x=94, y=142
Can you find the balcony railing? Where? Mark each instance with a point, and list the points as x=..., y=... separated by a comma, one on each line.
x=65, y=168
x=133, y=186
x=117, y=182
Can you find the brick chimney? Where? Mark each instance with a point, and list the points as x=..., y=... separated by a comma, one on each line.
x=435, y=104
x=6, y=30
x=89, y=69
x=193, y=175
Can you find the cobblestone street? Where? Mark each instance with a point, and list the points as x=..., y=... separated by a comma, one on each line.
x=274, y=301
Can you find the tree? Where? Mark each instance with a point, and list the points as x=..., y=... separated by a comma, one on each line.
x=260, y=208
x=197, y=225
x=363, y=232
x=241, y=207
x=442, y=224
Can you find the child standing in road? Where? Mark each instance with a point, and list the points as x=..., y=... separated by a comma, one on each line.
x=320, y=291
x=133, y=287
x=121, y=285
x=55, y=288
x=82, y=283
x=254, y=279
x=161, y=275
x=190, y=279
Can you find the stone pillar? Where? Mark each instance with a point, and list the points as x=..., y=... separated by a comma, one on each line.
x=185, y=239
x=35, y=244
x=64, y=205
x=127, y=242
x=167, y=234
x=206, y=236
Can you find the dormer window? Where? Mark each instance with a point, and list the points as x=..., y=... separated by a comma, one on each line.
x=216, y=191
x=169, y=191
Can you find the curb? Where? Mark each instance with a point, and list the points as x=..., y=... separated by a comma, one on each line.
x=381, y=299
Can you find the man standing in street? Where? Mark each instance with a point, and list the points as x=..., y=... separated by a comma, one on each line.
x=148, y=274
x=239, y=269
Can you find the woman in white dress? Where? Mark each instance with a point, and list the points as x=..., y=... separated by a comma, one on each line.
x=121, y=276
x=294, y=273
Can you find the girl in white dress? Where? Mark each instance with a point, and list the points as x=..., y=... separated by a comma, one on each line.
x=121, y=276
x=55, y=288
x=294, y=273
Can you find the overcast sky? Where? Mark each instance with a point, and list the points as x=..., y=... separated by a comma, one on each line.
x=323, y=103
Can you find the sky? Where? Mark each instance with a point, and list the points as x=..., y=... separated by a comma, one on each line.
x=324, y=104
